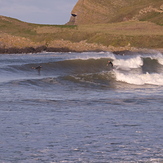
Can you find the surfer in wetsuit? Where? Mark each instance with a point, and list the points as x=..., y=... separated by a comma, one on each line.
x=38, y=68
x=110, y=63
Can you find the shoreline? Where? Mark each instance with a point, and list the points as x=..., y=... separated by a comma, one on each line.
x=68, y=46
x=40, y=49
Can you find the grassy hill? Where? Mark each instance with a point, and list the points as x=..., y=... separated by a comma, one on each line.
x=16, y=35
x=109, y=11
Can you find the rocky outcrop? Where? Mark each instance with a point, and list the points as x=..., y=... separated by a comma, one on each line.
x=108, y=11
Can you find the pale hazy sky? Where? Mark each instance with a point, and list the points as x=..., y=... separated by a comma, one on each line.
x=38, y=11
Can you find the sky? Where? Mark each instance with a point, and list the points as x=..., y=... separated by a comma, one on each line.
x=38, y=11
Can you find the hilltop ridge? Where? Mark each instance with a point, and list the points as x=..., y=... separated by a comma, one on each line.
x=110, y=11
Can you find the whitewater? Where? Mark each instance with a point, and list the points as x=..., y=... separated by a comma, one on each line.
x=79, y=109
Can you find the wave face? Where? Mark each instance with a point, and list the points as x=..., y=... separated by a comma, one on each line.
x=84, y=68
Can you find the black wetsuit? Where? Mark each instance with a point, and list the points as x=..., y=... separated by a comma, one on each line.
x=38, y=68
x=111, y=64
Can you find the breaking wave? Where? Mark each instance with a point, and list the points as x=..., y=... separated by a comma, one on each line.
x=136, y=69
x=140, y=79
x=129, y=63
x=140, y=70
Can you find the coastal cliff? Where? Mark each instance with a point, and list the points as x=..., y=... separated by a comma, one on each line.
x=110, y=11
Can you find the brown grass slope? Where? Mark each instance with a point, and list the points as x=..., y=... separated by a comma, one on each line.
x=109, y=11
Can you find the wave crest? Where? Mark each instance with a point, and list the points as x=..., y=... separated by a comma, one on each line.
x=140, y=79
x=129, y=63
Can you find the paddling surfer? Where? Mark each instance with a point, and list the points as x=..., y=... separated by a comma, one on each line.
x=110, y=63
x=38, y=68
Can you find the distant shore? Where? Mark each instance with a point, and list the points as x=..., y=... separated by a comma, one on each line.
x=26, y=50
x=79, y=48
x=69, y=46
x=41, y=49
x=20, y=37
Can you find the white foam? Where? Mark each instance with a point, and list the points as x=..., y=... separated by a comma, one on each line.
x=140, y=79
x=129, y=63
x=91, y=55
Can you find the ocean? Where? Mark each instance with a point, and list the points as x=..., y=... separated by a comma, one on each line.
x=79, y=110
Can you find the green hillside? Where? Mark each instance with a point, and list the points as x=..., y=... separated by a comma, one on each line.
x=109, y=11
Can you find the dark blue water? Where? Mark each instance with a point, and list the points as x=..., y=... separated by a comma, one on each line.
x=77, y=109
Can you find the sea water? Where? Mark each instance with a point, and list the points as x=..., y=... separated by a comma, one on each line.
x=78, y=109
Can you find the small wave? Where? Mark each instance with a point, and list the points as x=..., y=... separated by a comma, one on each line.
x=158, y=57
x=140, y=79
x=95, y=55
x=98, y=79
x=30, y=81
x=155, y=56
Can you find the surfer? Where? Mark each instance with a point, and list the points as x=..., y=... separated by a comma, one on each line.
x=110, y=63
x=38, y=68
